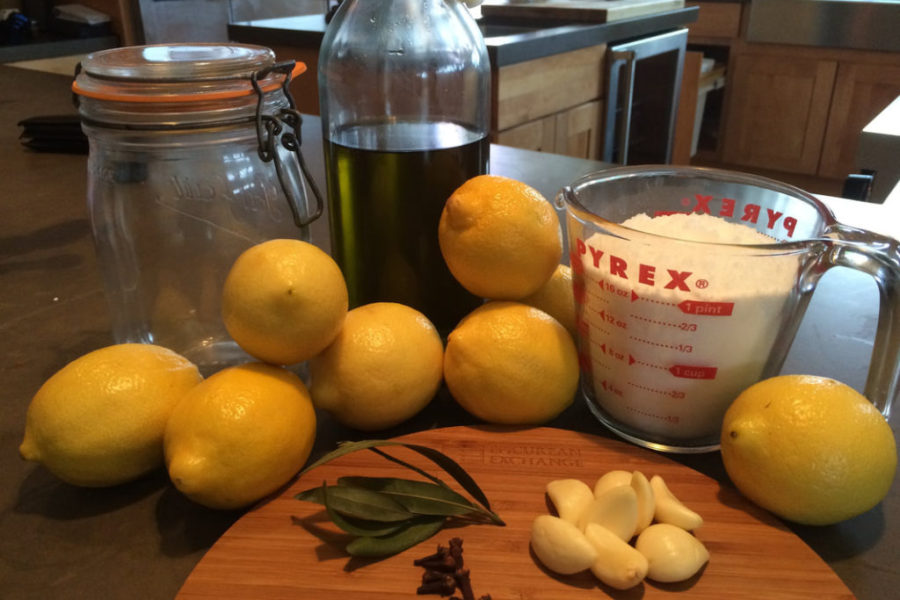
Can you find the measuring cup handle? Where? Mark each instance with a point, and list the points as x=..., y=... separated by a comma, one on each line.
x=879, y=256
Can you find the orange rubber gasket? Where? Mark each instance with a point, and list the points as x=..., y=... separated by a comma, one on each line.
x=298, y=69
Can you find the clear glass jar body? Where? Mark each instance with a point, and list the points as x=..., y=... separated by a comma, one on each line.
x=170, y=213
x=404, y=90
x=177, y=189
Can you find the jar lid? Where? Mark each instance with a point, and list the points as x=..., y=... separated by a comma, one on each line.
x=177, y=72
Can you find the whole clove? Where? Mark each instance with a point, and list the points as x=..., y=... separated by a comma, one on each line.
x=439, y=553
x=464, y=583
x=443, y=585
x=445, y=564
x=455, y=550
x=445, y=573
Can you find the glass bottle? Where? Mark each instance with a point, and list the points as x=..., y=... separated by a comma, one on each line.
x=404, y=93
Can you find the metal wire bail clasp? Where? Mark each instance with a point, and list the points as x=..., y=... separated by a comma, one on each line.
x=270, y=129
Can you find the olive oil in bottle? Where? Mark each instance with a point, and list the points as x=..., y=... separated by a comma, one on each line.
x=385, y=206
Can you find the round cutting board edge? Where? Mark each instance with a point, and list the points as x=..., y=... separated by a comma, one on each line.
x=270, y=552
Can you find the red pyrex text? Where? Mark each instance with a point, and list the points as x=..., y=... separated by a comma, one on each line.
x=750, y=212
x=674, y=279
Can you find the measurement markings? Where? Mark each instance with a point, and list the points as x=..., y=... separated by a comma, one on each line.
x=596, y=327
x=682, y=326
x=646, y=364
x=648, y=388
x=599, y=344
x=598, y=297
x=670, y=393
x=666, y=418
x=656, y=344
x=635, y=297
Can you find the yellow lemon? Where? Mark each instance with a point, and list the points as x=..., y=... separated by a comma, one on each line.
x=240, y=435
x=383, y=368
x=99, y=420
x=809, y=449
x=510, y=363
x=499, y=237
x=284, y=301
x=556, y=298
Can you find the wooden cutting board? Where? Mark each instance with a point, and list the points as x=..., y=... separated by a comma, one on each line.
x=270, y=552
x=591, y=11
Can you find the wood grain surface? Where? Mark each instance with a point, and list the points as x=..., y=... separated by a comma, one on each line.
x=271, y=553
x=588, y=11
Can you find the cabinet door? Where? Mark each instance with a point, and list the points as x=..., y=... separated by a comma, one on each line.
x=778, y=110
x=577, y=131
x=537, y=88
x=573, y=132
x=539, y=135
x=861, y=91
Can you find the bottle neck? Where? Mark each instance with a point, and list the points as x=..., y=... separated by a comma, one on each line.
x=403, y=61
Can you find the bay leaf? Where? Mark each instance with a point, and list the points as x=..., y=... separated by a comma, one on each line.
x=449, y=465
x=419, y=497
x=416, y=532
x=357, y=502
x=361, y=527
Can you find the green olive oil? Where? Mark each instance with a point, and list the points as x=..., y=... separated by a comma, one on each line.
x=385, y=205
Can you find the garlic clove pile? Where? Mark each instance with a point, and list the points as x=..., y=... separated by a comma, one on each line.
x=616, y=509
x=611, y=479
x=570, y=497
x=669, y=509
x=672, y=553
x=561, y=546
x=618, y=565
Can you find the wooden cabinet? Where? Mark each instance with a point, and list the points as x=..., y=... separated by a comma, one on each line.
x=801, y=110
x=551, y=104
x=778, y=111
x=861, y=91
x=716, y=20
x=573, y=132
x=791, y=108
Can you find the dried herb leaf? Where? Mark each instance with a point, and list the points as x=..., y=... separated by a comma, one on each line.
x=442, y=460
x=391, y=514
x=360, y=527
x=419, y=497
x=358, y=503
x=417, y=531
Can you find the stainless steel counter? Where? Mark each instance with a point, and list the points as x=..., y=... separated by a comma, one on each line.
x=859, y=24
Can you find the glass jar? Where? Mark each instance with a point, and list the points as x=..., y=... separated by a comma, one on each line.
x=181, y=180
x=404, y=93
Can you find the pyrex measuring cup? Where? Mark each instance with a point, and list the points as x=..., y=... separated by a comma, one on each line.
x=671, y=330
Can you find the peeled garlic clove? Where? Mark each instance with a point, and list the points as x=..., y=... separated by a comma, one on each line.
x=609, y=480
x=646, y=500
x=618, y=564
x=616, y=509
x=669, y=509
x=560, y=546
x=672, y=553
x=570, y=497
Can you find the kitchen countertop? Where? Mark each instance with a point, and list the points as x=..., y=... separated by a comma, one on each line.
x=141, y=540
x=553, y=38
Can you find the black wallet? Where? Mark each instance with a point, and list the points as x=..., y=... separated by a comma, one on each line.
x=54, y=133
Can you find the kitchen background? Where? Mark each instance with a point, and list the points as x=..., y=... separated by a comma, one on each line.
x=772, y=94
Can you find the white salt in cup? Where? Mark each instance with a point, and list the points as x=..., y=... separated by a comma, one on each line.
x=671, y=329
